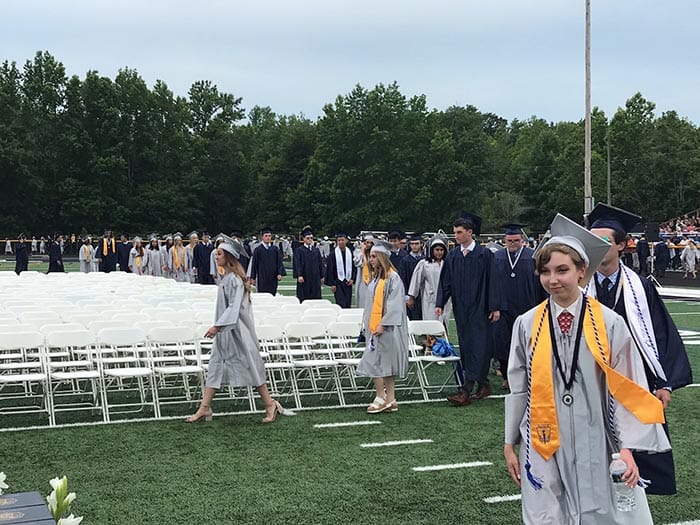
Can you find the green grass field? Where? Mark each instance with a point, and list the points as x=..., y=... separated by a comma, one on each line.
x=235, y=470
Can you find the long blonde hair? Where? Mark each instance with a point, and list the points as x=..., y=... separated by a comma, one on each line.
x=236, y=268
x=385, y=266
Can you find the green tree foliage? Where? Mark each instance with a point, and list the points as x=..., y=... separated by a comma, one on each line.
x=79, y=154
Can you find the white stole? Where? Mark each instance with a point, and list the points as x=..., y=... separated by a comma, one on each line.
x=344, y=273
x=638, y=316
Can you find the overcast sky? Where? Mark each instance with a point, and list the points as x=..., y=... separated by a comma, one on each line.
x=515, y=58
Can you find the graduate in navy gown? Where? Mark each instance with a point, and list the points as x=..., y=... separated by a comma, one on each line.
x=341, y=272
x=397, y=252
x=662, y=258
x=467, y=276
x=521, y=288
x=106, y=253
x=201, y=256
x=123, y=252
x=266, y=266
x=406, y=267
x=55, y=255
x=656, y=336
x=308, y=268
x=21, y=255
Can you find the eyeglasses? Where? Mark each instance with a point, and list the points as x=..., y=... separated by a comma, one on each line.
x=513, y=241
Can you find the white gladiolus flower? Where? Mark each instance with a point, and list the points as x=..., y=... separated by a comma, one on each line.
x=54, y=483
x=69, y=498
x=70, y=520
x=53, y=503
x=3, y=485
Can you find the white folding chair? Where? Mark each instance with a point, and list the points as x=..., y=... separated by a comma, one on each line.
x=421, y=329
x=123, y=359
x=24, y=380
x=69, y=378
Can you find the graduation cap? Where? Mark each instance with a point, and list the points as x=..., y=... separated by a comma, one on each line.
x=237, y=233
x=381, y=246
x=153, y=237
x=590, y=247
x=220, y=237
x=369, y=236
x=437, y=240
x=232, y=246
x=193, y=233
x=494, y=246
x=472, y=220
x=306, y=231
x=341, y=234
x=396, y=234
x=604, y=216
x=415, y=237
x=177, y=236
x=136, y=239
x=265, y=229
x=513, y=228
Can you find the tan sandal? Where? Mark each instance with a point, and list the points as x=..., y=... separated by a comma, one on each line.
x=377, y=406
x=206, y=416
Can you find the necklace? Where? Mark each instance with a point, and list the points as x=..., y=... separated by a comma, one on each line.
x=567, y=398
x=513, y=264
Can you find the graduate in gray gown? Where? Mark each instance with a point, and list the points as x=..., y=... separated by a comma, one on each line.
x=425, y=281
x=177, y=260
x=86, y=256
x=235, y=355
x=138, y=258
x=361, y=262
x=154, y=262
x=385, y=326
x=560, y=411
x=189, y=252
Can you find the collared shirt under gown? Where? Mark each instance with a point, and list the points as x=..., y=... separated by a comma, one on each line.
x=235, y=355
x=309, y=265
x=577, y=489
x=470, y=282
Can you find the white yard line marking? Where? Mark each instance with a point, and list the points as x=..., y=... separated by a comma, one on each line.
x=694, y=385
x=694, y=522
x=499, y=499
x=346, y=424
x=395, y=443
x=685, y=313
x=453, y=465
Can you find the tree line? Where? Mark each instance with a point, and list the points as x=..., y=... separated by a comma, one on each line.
x=80, y=154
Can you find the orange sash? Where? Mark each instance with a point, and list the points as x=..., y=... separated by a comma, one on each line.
x=375, y=317
x=543, y=413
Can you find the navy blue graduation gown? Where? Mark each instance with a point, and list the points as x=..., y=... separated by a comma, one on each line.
x=201, y=257
x=123, y=251
x=520, y=293
x=309, y=265
x=55, y=258
x=21, y=257
x=659, y=468
x=108, y=262
x=267, y=265
x=343, y=290
x=663, y=257
x=475, y=292
x=395, y=257
x=407, y=265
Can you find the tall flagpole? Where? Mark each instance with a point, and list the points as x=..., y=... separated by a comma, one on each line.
x=587, y=191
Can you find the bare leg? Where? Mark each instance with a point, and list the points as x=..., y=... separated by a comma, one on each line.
x=389, y=383
x=204, y=410
x=379, y=386
x=265, y=396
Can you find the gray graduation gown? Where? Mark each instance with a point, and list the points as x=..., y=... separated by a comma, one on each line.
x=235, y=355
x=86, y=256
x=577, y=488
x=360, y=286
x=154, y=262
x=180, y=274
x=425, y=283
x=138, y=269
x=390, y=356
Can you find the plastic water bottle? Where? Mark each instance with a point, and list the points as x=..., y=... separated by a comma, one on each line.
x=624, y=495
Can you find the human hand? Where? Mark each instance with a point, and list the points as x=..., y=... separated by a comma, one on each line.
x=512, y=462
x=631, y=475
x=664, y=395
x=410, y=302
x=494, y=316
x=350, y=282
x=379, y=330
x=279, y=277
x=333, y=288
x=211, y=332
x=300, y=280
x=438, y=312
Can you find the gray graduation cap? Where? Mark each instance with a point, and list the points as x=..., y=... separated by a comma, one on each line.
x=591, y=247
x=381, y=246
x=494, y=246
x=231, y=245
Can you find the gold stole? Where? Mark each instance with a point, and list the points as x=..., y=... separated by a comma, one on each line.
x=375, y=317
x=365, y=270
x=87, y=253
x=104, y=246
x=177, y=257
x=543, y=413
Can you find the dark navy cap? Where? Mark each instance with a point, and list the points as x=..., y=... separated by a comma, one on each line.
x=513, y=228
x=265, y=229
x=473, y=220
x=604, y=216
x=341, y=234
